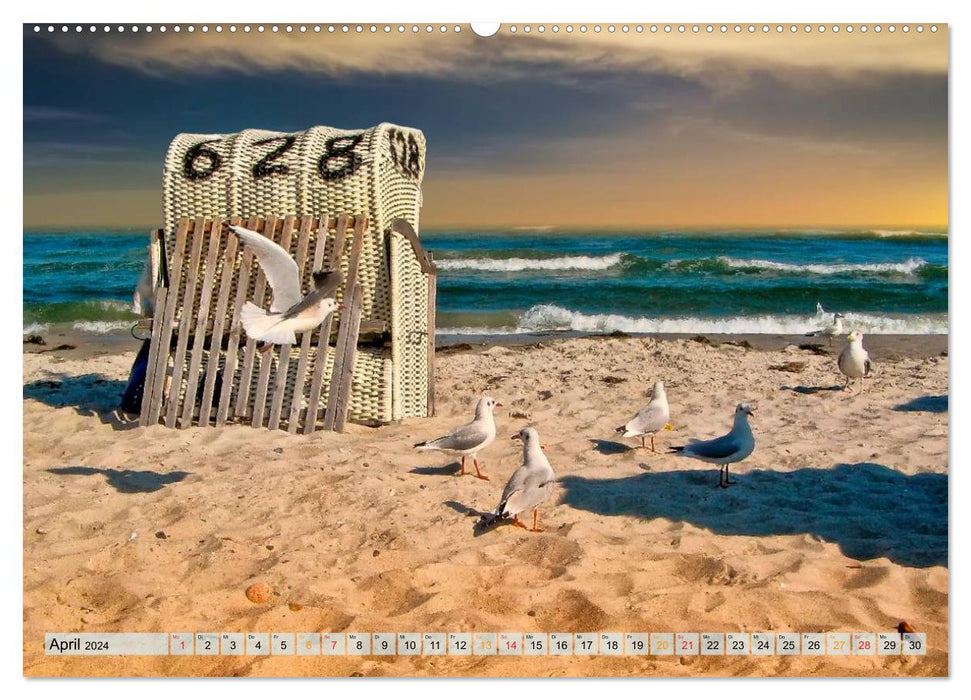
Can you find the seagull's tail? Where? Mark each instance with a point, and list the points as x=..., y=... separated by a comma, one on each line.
x=621, y=429
x=487, y=519
x=425, y=446
x=262, y=325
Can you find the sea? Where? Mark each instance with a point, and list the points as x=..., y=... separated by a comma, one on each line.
x=545, y=280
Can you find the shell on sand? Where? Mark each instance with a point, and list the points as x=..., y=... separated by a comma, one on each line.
x=258, y=592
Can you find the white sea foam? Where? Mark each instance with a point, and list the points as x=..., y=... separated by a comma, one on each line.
x=112, y=305
x=898, y=233
x=101, y=327
x=908, y=267
x=548, y=317
x=33, y=328
x=574, y=262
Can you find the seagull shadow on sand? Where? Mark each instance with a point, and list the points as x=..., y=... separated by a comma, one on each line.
x=88, y=394
x=610, y=447
x=812, y=389
x=478, y=527
x=450, y=469
x=924, y=404
x=126, y=480
x=867, y=509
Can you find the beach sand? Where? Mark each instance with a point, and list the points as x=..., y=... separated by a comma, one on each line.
x=838, y=522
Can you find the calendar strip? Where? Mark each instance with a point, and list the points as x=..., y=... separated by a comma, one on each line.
x=486, y=644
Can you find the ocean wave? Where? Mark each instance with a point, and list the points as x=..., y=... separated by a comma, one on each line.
x=549, y=317
x=900, y=233
x=573, y=262
x=725, y=265
x=101, y=327
x=908, y=267
x=34, y=328
x=77, y=311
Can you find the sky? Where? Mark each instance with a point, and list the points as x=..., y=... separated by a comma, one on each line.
x=568, y=130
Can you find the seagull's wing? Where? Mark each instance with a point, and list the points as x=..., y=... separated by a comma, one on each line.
x=719, y=448
x=649, y=419
x=327, y=281
x=534, y=489
x=466, y=437
x=513, y=487
x=280, y=269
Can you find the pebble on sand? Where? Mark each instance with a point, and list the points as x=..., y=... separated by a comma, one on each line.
x=258, y=592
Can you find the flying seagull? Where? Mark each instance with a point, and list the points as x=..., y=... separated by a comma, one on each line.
x=528, y=487
x=854, y=361
x=470, y=439
x=728, y=449
x=291, y=312
x=832, y=330
x=649, y=419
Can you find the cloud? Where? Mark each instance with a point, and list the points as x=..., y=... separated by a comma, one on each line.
x=56, y=153
x=44, y=114
x=717, y=57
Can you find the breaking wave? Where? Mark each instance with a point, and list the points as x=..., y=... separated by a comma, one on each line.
x=551, y=318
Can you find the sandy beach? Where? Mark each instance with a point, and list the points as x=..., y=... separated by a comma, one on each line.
x=838, y=522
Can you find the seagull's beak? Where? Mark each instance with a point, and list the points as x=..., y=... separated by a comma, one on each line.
x=497, y=405
x=545, y=445
x=849, y=337
x=341, y=307
x=515, y=437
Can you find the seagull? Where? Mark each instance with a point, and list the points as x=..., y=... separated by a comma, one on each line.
x=291, y=312
x=832, y=330
x=728, y=449
x=854, y=361
x=528, y=487
x=469, y=439
x=649, y=419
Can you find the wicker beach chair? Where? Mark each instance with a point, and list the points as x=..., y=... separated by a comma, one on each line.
x=332, y=198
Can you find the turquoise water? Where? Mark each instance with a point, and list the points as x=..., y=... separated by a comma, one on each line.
x=593, y=281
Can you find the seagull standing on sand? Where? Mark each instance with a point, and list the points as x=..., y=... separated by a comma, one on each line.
x=291, y=312
x=528, y=487
x=728, y=449
x=854, y=361
x=469, y=439
x=832, y=330
x=649, y=419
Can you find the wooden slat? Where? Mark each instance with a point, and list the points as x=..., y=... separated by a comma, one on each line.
x=343, y=387
x=242, y=285
x=158, y=311
x=202, y=315
x=188, y=304
x=249, y=352
x=374, y=327
x=266, y=362
x=215, y=344
x=306, y=226
x=150, y=391
x=341, y=352
x=432, y=294
x=165, y=327
x=360, y=230
x=323, y=341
